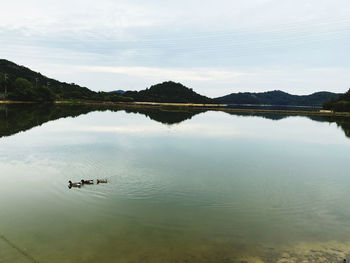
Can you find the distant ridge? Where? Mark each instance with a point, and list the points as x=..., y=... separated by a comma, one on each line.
x=278, y=97
x=169, y=91
x=119, y=91
x=24, y=84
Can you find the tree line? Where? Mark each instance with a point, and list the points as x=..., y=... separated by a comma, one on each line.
x=21, y=84
x=342, y=104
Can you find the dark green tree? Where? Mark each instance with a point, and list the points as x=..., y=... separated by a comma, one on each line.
x=45, y=94
x=23, y=90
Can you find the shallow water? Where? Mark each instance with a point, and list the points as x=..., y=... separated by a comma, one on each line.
x=213, y=188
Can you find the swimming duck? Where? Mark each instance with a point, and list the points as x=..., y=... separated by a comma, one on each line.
x=104, y=181
x=77, y=184
x=87, y=181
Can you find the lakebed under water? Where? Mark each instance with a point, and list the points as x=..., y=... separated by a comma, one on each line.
x=182, y=187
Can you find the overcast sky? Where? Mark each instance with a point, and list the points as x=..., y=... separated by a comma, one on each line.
x=215, y=47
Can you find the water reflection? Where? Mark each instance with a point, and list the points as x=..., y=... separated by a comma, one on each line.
x=218, y=188
x=19, y=117
x=342, y=122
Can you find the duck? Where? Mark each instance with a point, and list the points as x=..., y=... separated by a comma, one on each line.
x=104, y=181
x=87, y=181
x=77, y=184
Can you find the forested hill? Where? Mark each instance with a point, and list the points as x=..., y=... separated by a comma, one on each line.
x=26, y=85
x=23, y=84
x=341, y=104
x=169, y=92
x=278, y=97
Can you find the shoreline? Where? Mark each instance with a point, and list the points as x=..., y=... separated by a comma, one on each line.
x=192, y=106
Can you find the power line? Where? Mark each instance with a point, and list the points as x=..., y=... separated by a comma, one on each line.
x=6, y=78
x=21, y=251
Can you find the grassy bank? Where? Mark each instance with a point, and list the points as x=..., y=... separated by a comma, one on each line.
x=192, y=106
x=212, y=107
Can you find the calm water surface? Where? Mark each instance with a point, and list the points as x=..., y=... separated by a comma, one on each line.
x=211, y=187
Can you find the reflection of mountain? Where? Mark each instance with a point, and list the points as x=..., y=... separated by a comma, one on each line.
x=166, y=116
x=17, y=118
x=345, y=125
x=342, y=122
x=270, y=116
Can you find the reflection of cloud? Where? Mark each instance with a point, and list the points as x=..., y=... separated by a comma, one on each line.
x=213, y=126
x=195, y=129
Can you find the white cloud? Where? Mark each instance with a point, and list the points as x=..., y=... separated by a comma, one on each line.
x=216, y=82
x=215, y=47
x=196, y=74
x=123, y=14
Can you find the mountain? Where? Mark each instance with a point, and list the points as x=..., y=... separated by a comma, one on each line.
x=278, y=97
x=340, y=104
x=119, y=91
x=170, y=92
x=24, y=84
x=27, y=85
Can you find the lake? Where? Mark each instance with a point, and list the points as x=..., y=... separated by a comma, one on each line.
x=183, y=186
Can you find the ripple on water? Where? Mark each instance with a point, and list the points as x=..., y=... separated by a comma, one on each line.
x=219, y=203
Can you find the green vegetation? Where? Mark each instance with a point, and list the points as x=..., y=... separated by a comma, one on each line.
x=341, y=104
x=23, y=84
x=278, y=97
x=169, y=92
x=24, y=90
